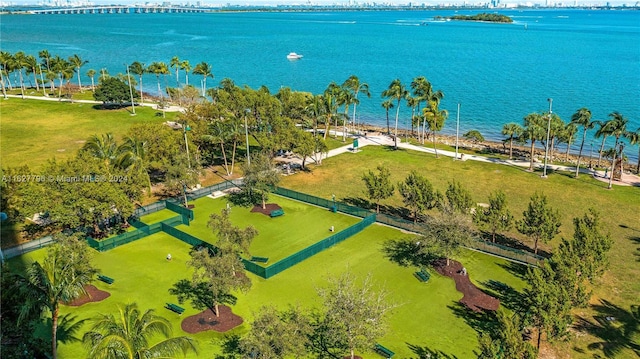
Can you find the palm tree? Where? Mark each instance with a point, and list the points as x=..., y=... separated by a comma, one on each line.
x=60, y=278
x=18, y=62
x=45, y=56
x=131, y=155
x=618, y=128
x=413, y=103
x=582, y=117
x=387, y=104
x=330, y=103
x=63, y=69
x=137, y=68
x=102, y=147
x=31, y=67
x=353, y=83
x=92, y=73
x=315, y=110
x=77, y=63
x=534, y=129
x=513, y=130
x=5, y=61
x=205, y=70
x=435, y=119
x=127, y=336
x=567, y=136
x=158, y=68
x=604, y=132
x=175, y=64
x=184, y=65
x=634, y=139
x=346, y=97
x=396, y=91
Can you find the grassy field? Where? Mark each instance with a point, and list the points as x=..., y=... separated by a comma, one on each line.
x=33, y=132
x=619, y=208
x=301, y=226
x=427, y=315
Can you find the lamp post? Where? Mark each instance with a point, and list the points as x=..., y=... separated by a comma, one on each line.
x=133, y=107
x=590, y=153
x=546, y=147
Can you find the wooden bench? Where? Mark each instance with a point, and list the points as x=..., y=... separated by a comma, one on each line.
x=175, y=308
x=276, y=213
x=105, y=279
x=423, y=275
x=259, y=259
x=384, y=351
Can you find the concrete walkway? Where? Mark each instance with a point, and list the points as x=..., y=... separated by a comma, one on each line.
x=384, y=140
x=93, y=102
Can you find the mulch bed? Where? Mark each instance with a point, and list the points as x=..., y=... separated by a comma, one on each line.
x=207, y=320
x=266, y=211
x=473, y=298
x=95, y=295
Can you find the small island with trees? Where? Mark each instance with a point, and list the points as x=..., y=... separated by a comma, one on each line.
x=484, y=17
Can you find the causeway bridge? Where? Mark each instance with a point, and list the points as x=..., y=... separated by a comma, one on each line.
x=117, y=9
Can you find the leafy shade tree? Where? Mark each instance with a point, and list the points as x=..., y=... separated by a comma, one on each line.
x=446, y=236
x=61, y=278
x=231, y=239
x=473, y=136
x=505, y=340
x=418, y=194
x=114, y=91
x=458, y=199
x=540, y=221
x=277, y=334
x=129, y=335
x=513, y=130
x=260, y=176
x=396, y=92
x=358, y=311
x=584, y=258
x=496, y=217
x=548, y=304
x=379, y=186
x=582, y=117
x=212, y=281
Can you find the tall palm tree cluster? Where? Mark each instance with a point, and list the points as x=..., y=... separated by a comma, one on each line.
x=537, y=125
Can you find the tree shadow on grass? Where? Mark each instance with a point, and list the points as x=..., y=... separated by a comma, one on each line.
x=515, y=269
x=481, y=322
x=514, y=243
x=406, y=252
x=427, y=353
x=508, y=296
x=616, y=327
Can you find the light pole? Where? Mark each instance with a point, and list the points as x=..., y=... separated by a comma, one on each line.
x=186, y=128
x=546, y=147
x=246, y=135
x=590, y=153
x=133, y=107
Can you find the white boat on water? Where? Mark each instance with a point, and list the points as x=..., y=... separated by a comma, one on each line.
x=294, y=56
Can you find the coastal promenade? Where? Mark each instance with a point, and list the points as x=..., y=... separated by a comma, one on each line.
x=384, y=140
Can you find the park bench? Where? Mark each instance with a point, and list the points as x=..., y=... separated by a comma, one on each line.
x=105, y=279
x=423, y=275
x=259, y=259
x=175, y=308
x=276, y=212
x=384, y=351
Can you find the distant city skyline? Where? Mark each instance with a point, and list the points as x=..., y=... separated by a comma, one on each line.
x=218, y=3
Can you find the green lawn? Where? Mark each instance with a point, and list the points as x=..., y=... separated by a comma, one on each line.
x=619, y=209
x=301, y=226
x=426, y=316
x=33, y=131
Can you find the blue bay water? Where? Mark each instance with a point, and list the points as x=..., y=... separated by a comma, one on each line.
x=499, y=73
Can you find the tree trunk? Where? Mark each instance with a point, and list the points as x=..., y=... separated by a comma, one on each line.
x=395, y=136
x=511, y=148
x=141, y=95
x=584, y=135
x=388, y=129
x=601, y=149
x=233, y=155
x=224, y=156
x=353, y=354
x=378, y=207
x=539, y=337
x=54, y=331
x=613, y=164
x=533, y=146
x=493, y=236
x=216, y=310
x=535, y=246
x=434, y=143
